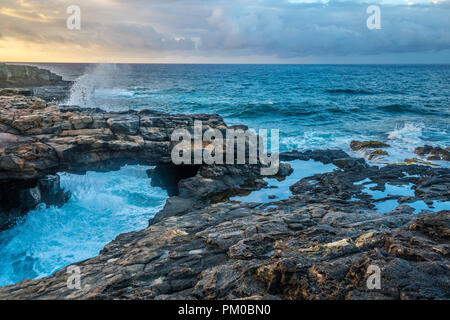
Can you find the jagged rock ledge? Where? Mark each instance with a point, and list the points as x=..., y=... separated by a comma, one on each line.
x=318, y=244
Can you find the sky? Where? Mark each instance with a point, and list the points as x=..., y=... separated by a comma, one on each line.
x=225, y=31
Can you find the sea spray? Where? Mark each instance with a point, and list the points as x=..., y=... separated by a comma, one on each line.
x=100, y=81
x=409, y=133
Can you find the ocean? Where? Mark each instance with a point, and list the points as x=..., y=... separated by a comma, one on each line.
x=313, y=106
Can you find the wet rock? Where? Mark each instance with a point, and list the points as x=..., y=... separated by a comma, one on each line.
x=29, y=198
x=124, y=123
x=19, y=197
x=411, y=161
x=377, y=153
x=370, y=144
x=350, y=163
x=39, y=138
x=325, y=156
x=174, y=206
x=167, y=176
x=317, y=244
x=51, y=192
x=222, y=181
x=437, y=153
x=284, y=170
x=435, y=227
x=232, y=251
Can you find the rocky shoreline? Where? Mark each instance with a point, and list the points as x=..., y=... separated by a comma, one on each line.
x=317, y=244
x=39, y=139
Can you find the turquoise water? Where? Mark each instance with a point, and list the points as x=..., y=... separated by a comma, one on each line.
x=389, y=205
x=401, y=190
x=313, y=106
x=102, y=206
x=389, y=189
x=280, y=189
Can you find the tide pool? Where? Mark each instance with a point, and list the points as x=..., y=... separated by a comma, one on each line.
x=280, y=189
x=403, y=190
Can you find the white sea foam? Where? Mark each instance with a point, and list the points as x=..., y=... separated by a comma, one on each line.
x=102, y=206
x=111, y=93
x=402, y=139
x=313, y=139
x=409, y=134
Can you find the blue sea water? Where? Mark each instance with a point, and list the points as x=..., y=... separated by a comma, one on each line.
x=313, y=106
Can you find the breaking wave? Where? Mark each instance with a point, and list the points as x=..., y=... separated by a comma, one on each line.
x=102, y=205
x=409, y=133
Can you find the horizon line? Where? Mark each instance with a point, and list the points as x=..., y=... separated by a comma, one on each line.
x=228, y=63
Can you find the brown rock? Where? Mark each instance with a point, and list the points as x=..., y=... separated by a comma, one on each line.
x=437, y=153
x=358, y=145
x=377, y=153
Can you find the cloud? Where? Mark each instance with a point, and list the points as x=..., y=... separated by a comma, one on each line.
x=336, y=28
x=279, y=28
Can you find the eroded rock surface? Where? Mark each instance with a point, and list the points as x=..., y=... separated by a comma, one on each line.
x=16, y=92
x=317, y=244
